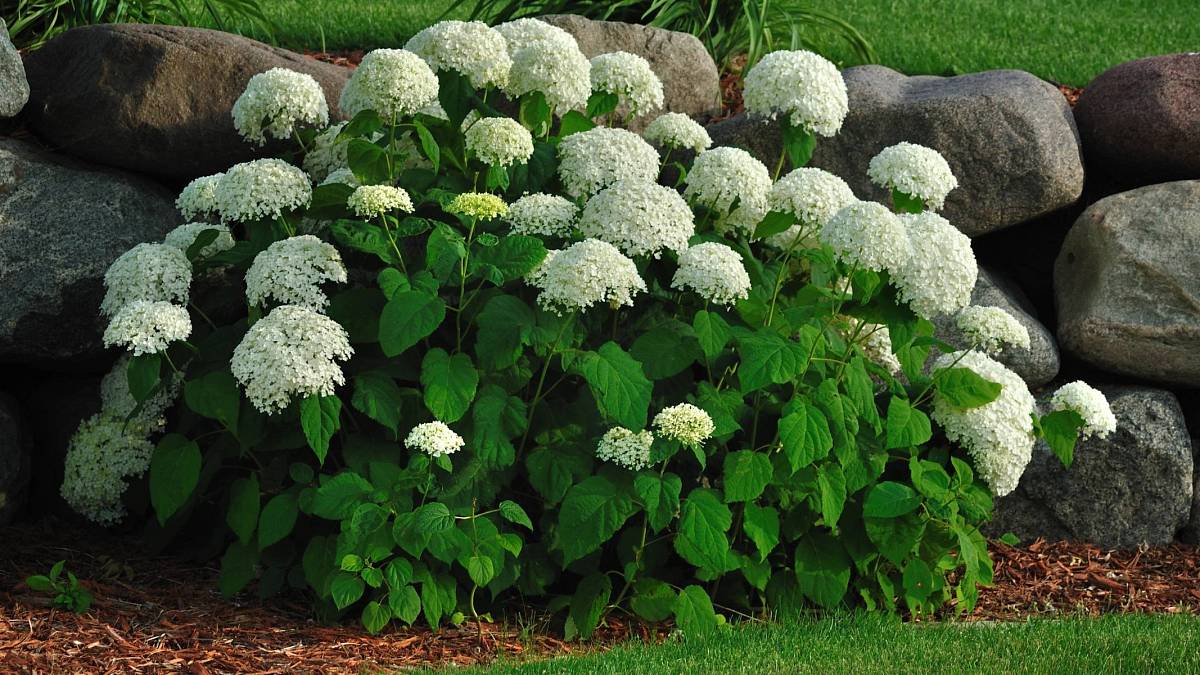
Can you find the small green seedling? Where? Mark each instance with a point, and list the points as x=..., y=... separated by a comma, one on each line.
x=68, y=593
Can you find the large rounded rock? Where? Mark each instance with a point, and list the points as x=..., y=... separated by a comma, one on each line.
x=1127, y=284
x=155, y=99
x=14, y=88
x=15, y=448
x=1008, y=136
x=62, y=224
x=691, y=84
x=1037, y=365
x=1133, y=488
x=1140, y=121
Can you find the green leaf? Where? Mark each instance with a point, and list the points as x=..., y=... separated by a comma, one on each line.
x=357, y=310
x=746, y=475
x=513, y=513
x=237, y=568
x=506, y=324
x=443, y=250
x=534, y=113
x=906, y=426
x=769, y=358
x=574, y=122
x=216, y=396
x=377, y=396
x=338, y=496
x=895, y=537
x=724, y=407
x=242, y=516
x=320, y=418
x=1061, y=430
x=601, y=103
x=174, y=472
x=375, y=617
x=363, y=125
x=591, y=514
x=652, y=599
x=713, y=333
x=906, y=203
x=822, y=569
x=405, y=604
x=391, y=281
x=434, y=518
x=964, y=388
x=832, y=485
x=142, y=374
x=277, y=519
x=660, y=497
x=761, y=525
x=890, y=499
x=496, y=419
x=457, y=97
x=805, y=436
x=799, y=145
x=367, y=519
x=774, y=223
x=398, y=573
x=365, y=237
x=703, y=522
x=514, y=257
x=450, y=383
x=367, y=161
x=328, y=202
x=618, y=384
x=408, y=318
x=548, y=474
x=918, y=582
x=589, y=601
x=346, y=588
x=429, y=146
x=481, y=569
x=666, y=350
x=694, y=614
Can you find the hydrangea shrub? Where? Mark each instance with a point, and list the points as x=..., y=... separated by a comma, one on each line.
x=483, y=353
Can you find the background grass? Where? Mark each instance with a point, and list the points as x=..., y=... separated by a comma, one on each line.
x=863, y=643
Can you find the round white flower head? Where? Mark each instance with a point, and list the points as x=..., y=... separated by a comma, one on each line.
x=805, y=87
x=326, y=154
x=542, y=215
x=198, y=199
x=639, y=217
x=343, y=176
x=677, y=130
x=813, y=196
x=116, y=400
x=102, y=455
x=479, y=205
x=940, y=275
x=293, y=351
x=499, y=141
x=584, y=274
x=263, y=188
x=434, y=439
x=875, y=340
x=1090, y=404
x=714, y=271
x=869, y=236
x=625, y=448
x=291, y=272
x=684, y=423
x=146, y=272
x=146, y=327
x=392, y=82
x=591, y=160
x=275, y=102
x=630, y=77
x=998, y=435
x=723, y=175
x=913, y=170
x=369, y=201
x=557, y=69
x=185, y=235
x=992, y=328
x=521, y=33
x=468, y=47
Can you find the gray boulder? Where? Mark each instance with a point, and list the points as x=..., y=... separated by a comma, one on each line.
x=691, y=83
x=155, y=99
x=1037, y=365
x=62, y=224
x=1008, y=136
x=1127, y=287
x=15, y=448
x=14, y=88
x=1133, y=488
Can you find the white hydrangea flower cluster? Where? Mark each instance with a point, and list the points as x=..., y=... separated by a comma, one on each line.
x=262, y=188
x=677, y=130
x=542, y=215
x=148, y=327
x=992, y=328
x=471, y=48
x=869, y=236
x=630, y=78
x=392, y=82
x=147, y=272
x=875, y=340
x=1090, y=404
x=625, y=448
x=801, y=85
x=685, y=423
x=291, y=271
x=293, y=351
x=198, y=199
x=521, y=33
x=499, y=141
x=103, y=455
x=639, y=217
x=371, y=201
x=480, y=205
x=115, y=399
x=185, y=235
x=326, y=154
x=998, y=435
x=434, y=439
x=714, y=271
x=813, y=196
x=914, y=170
x=591, y=160
x=585, y=273
x=721, y=176
x=343, y=176
x=940, y=275
x=553, y=65
x=275, y=102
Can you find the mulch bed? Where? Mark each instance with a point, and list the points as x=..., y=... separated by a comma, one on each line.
x=156, y=614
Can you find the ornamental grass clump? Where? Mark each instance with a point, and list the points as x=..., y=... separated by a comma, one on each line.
x=484, y=358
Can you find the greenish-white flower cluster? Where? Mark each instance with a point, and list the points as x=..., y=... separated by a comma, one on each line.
x=630, y=78
x=625, y=448
x=480, y=205
x=804, y=87
x=992, y=328
x=521, y=33
x=730, y=178
x=103, y=455
x=641, y=218
x=813, y=196
x=276, y=102
x=372, y=201
x=676, y=130
x=586, y=273
x=148, y=327
x=434, y=439
x=499, y=141
x=713, y=271
x=868, y=236
x=685, y=423
x=939, y=275
x=153, y=272
x=1090, y=404
x=261, y=189
x=591, y=160
x=542, y=215
x=291, y=271
x=392, y=82
x=198, y=199
x=470, y=48
x=185, y=235
x=914, y=170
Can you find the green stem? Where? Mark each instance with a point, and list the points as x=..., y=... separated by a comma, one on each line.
x=537, y=394
x=462, y=286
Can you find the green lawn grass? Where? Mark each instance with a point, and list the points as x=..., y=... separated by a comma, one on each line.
x=862, y=643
